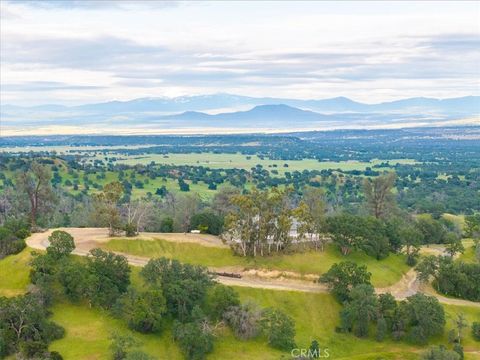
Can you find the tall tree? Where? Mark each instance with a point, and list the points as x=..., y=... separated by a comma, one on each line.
x=454, y=244
x=412, y=239
x=460, y=323
x=346, y=231
x=342, y=277
x=361, y=309
x=379, y=196
x=106, y=206
x=35, y=183
x=314, y=200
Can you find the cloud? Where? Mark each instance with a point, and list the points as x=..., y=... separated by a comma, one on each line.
x=209, y=47
x=46, y=86
x=98, y=53
x=453, y=42
x=95, y=4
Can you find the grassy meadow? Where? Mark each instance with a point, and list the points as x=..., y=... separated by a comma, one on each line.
x=210, y=160
x=241, y=161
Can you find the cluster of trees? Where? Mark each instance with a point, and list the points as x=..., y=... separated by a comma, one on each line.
x=450, y=277
x=24, y=325
x=12, y=237
x=443, y=180
x=200, y=306
x=185, y=293
x=100, y=281
x=260, y=222
x=416, y=319
x=25, y=329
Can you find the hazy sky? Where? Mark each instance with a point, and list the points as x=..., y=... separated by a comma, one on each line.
x=72, y=52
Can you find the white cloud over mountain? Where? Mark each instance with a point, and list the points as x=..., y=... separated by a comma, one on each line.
x=75, y=52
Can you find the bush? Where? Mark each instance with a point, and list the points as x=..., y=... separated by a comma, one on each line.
x=10, y=243
x=476, y=330
x=143, y=311
x=342, y=277
x=279, y=329
x=31, y=349
x=211, y=223
x=22, y=233
x=130, y=230
x=459, y=350
x=411, y=260
x=244, y=320
x=194, y=340
x=61, y=244
x=220, y=299
x=440, y=353
x=55, y=356
x=166, y=225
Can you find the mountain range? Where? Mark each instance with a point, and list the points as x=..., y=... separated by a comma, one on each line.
x=226, y=111
x=460, y=105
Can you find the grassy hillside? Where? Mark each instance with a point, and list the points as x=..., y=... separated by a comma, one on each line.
x=14, y=272
x=316, y=315
x=384, y=272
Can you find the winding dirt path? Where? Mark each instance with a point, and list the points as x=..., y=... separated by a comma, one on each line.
x=89, y=238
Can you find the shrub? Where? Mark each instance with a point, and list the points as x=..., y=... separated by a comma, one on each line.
x=440, y=353
x=166, y=225
x=476, y=330
x=211, y=223
x=220, y=299
x=61, y=244
x=130, y=230
x=194, y=340
x=279, y=329
x=22, y=233
x=9, y=242
x=143, y=311
x=342, y=277
x=244, y=320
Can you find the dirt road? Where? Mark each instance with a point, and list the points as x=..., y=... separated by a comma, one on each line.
x=89, y=238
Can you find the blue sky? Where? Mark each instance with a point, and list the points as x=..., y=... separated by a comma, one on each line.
x=73, y=52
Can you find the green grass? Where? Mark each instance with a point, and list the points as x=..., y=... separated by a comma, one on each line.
x=240, y=161
x=384, y=272
x=211, y=160
x=88, y=331
x=469, y=254
x=316, y=315
x=14, y=273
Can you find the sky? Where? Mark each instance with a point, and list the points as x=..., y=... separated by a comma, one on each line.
x=76, y=52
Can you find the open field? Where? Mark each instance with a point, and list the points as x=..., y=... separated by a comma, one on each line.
x=240, y=161
x=206, y=159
